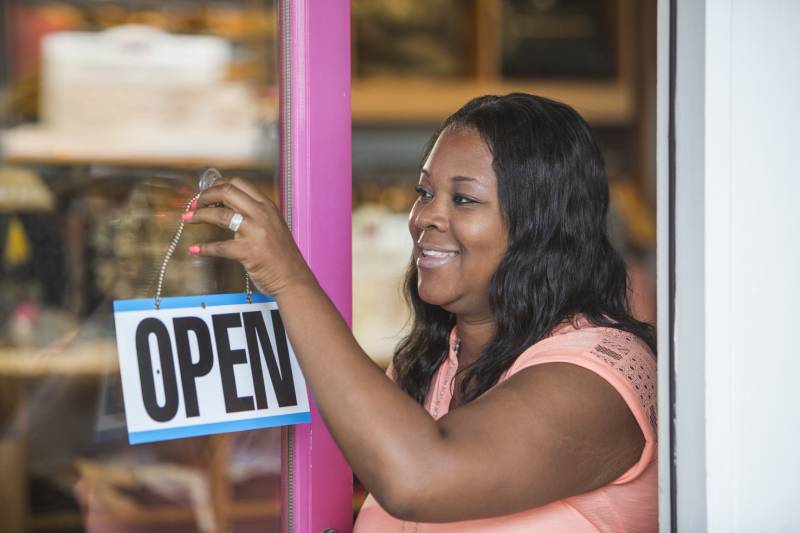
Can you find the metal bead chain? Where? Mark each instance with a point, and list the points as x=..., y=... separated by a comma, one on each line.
x=173, y=245
x=247, y=290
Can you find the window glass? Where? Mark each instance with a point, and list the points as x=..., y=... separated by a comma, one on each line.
x=110, y=111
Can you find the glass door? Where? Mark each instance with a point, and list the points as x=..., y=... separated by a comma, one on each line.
x=109, y=112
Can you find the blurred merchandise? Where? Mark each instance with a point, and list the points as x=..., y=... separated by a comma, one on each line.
x=406, y=38
x=628, y=200
x=124, y=82
x=17, y=250
x=137, y=92
x=558, y=38
x=34, y=326
x=138, y=77
x=381, y=255
x=415, y=64
x=38, y=21
x=22, y=190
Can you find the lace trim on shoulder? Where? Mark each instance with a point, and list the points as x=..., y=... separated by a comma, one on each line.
x=624, y=352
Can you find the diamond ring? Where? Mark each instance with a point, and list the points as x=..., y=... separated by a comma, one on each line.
x=236, y=221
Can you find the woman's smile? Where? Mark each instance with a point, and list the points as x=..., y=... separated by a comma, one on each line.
x=429, y=256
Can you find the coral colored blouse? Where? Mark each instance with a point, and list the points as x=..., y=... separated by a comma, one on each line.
x=628, y=504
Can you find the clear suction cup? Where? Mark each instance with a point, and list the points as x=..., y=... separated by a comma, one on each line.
x=208, y=178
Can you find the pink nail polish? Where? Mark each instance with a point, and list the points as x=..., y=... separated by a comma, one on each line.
x=187, y=215
x=194, y=249
x=193, y=205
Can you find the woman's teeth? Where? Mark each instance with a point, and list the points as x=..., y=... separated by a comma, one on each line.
x=436, y=253
x=434, y=258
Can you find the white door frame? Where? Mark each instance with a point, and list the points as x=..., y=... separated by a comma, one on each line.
x=728, y=264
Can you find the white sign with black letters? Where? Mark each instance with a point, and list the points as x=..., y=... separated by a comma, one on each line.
x=206, y=364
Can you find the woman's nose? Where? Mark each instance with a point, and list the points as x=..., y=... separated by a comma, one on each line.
x=431, y=216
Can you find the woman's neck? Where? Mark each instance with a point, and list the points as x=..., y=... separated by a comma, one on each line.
x=473, y=334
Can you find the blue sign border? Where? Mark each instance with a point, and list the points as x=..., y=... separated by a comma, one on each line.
x=141, y=437
x=177, y=302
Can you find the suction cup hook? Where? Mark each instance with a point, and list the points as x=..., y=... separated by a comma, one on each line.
x=208, y=178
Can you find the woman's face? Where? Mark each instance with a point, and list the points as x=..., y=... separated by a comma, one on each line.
x=456, y=224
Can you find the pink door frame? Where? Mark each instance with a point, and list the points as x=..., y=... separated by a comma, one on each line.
x=317, y=152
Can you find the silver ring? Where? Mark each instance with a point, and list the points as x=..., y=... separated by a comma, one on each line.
x=236, y=222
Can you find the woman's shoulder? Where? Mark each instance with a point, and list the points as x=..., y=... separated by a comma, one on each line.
x=578, y=336
x=620, y=357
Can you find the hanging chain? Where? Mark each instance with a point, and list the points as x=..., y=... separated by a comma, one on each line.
x=173, y=245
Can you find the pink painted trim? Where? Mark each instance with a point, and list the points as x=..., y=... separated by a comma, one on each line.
x=321, y=208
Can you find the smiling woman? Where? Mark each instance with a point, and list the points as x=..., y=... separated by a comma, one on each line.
x=523, y=398
x=457, y=225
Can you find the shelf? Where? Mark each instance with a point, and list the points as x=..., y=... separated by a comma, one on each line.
x=91, y=359
x=155, y=515
x=29, y=144
x=405, y=99
x=424, y=101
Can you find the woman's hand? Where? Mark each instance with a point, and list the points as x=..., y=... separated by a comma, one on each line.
x=262, y=244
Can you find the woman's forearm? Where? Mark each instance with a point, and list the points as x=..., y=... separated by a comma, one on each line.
x=384, y=434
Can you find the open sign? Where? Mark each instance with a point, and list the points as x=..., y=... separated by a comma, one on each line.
x=208, y=364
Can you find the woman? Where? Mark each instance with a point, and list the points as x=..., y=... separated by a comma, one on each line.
x=526, y=397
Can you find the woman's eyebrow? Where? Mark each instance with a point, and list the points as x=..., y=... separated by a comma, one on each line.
x=453, y=178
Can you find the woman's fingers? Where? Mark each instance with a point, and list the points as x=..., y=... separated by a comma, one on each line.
x=228, y=249
x=262, y=244
x=218, y=216
x=233, y=197
x=248, y=188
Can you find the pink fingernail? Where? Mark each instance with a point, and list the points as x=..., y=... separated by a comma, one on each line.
x=194, y=249
x=187, y=215
x=193, y=205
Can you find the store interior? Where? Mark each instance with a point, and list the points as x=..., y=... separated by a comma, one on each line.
x=105, y=127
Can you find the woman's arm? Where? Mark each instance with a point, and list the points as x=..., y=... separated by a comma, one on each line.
x=548, y=432
x=377, y=426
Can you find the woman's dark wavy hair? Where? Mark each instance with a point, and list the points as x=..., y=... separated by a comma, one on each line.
x=553, y=194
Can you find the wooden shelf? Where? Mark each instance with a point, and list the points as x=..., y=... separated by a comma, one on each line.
x=407, y=100
x=164, y=514
x=426, y=101
x=94, y=359
x=31, y=144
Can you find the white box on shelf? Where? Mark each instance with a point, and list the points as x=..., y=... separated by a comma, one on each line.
x=139, y=77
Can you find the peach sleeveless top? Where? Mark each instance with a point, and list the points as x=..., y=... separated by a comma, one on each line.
x=628, y=504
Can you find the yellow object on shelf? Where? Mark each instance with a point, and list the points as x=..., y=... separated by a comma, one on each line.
x=23, y=191
x=17, y=250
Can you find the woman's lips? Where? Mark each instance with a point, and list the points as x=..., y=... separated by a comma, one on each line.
x=434, y=258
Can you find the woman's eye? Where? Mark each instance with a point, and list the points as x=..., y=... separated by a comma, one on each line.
x=423, y=194
x=462, y=200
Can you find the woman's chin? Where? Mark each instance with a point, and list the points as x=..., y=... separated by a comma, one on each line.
x=435, y=297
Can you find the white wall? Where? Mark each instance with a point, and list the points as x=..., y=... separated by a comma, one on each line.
x=737, y=291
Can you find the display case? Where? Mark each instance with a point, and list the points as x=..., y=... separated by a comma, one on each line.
x=110, y=110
